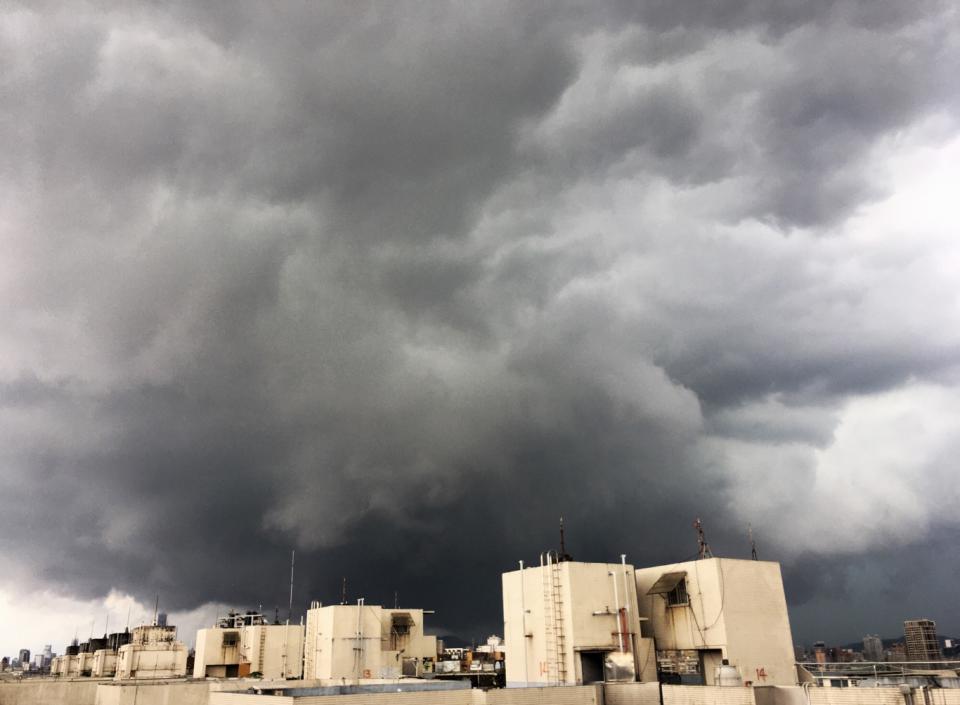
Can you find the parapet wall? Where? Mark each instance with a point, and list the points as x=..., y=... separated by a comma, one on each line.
x=92, y=692
x=49, y=692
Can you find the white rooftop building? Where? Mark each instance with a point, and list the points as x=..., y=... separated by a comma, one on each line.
x=356, y=642
x=706, y=611
x=244, y=644
x=153, y=652
x=573, y=623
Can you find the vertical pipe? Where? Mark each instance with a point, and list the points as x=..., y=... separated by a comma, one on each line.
x=293, y=555
x=523, y=627
x=616, y=602
x=626, y=592
x=359, y=649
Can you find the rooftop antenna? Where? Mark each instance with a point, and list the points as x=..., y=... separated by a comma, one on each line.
x=156, y=606
x=293, y=555
x=128, y=618
x=396, y=600
x=753, y=544
x=703, y=548
x=564, y=556
x=343, y=591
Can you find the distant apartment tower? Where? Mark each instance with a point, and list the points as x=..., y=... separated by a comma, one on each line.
x=921, y=638
x=872, y=648
x=24, y=657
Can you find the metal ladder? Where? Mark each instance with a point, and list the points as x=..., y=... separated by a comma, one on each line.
x=263, y=646
x=553, y=622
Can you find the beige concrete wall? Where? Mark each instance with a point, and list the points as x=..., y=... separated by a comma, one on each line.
x=447, y=697
x=581, y=695
x=151, y=660
x=415, y=644
x=179, y=693
x=759, y=640
x=275, y=650
x=706, y=695
x=631, y=694
x=332, y=647
x=588, y=618
x=780, y=695
x=244, y=699
x=569, y=695
x=696, y=626
x=330, y=643
x=945, y=696
x=856, y=696
x=49, y=692
x=104, y=663
x=736, y=607
x=210, y=651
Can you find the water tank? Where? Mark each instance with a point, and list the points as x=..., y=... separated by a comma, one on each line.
x=727, y=675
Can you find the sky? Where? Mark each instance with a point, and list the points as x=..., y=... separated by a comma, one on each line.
x=396, y=285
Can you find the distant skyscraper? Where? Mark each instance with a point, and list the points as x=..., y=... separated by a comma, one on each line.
x=24, y=657
x=872, y=648
x=820, y=652
x=921, y=638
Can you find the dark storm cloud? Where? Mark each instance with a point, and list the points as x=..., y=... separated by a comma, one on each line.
x=400, y=284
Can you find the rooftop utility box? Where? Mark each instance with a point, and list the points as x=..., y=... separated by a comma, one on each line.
x=247, y=644
x=153, y=652
x=104, y=663
x=357, y=642
x=573, y=623
x=702, y=612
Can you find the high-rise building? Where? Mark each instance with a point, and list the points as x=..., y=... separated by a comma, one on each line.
x=921, y=638
x=24, y=657
x=872, y=648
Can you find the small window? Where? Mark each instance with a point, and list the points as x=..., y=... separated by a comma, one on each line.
x=231, y=638
x=678, y=596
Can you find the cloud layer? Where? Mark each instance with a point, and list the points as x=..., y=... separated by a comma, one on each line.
x=398, y=285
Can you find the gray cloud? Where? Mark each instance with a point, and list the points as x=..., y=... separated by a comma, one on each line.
x=400, y=285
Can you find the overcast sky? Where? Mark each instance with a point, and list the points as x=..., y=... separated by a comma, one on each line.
x=398, y=284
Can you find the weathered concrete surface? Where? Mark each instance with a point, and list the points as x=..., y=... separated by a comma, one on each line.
x=180, y=693
x=49, y=692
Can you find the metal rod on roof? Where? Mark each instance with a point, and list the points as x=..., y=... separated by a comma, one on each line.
x=293, y=555
x=703, y=548
x=616, y=602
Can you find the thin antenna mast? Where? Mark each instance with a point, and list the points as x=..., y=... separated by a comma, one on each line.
x=293, y=555
x=156, y=607
x=753, y=544
x=703, y=548
x=343, y=591
x=564, y=556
